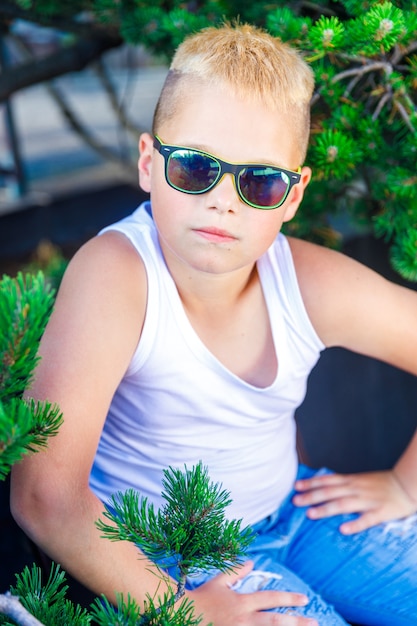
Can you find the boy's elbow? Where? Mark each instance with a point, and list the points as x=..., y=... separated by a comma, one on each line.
x=32, y=506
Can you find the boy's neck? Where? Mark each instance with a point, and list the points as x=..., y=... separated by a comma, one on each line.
x=208, y=291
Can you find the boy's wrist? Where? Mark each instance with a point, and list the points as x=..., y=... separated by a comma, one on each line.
x=407, y=484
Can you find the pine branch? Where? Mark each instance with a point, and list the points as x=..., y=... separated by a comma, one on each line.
x=47, y=601
x=82, y=131
x=401, y=52
x=11, y=11
x=25, y=305
x=71, y=58
x=190, y=528
x=75, y=123
x=25, y=427
x=119, y=110
x=359, y=72
x=382, y=102
x=402, y=111
x=317, y=8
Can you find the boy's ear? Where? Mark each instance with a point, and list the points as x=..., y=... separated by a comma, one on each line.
x=145, y=161
x=297, y=194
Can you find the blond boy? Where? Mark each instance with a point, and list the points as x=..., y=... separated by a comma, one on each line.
x=187, y=332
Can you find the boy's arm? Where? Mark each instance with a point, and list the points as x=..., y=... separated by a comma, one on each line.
x=353, y=307
x=85, y=350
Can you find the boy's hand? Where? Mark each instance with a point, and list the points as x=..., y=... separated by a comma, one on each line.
x=376, y=496
x=222, y=606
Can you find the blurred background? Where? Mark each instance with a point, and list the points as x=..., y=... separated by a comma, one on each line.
x=68, y=147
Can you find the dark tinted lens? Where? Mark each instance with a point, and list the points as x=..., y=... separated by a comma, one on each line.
x=192, y=171
x=263, y=186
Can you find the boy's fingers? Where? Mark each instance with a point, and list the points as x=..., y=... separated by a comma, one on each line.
x=350, y=528
x=259, y=603
x=270, y=599
x=338, y=507
x=239, y=572
x=283, y=619
x=280, y=619
x=290, y=620
x=363, y=522
x=305, y=484
x=324, y=494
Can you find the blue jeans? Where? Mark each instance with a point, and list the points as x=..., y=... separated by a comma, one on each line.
x=369, y=578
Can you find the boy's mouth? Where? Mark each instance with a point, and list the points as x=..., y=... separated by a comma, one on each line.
x=215, y=234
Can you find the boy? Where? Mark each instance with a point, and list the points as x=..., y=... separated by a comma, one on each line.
x=187, y=332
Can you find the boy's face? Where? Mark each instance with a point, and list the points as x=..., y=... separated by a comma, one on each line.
x=216, y=232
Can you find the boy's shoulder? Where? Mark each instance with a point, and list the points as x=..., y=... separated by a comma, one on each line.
x=108, y=267
x=319, y=264
x=340, y=294
x=109, y=251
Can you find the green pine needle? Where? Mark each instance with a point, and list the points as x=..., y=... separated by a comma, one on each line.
x=404, y=254
x=47, y=601
x=25, y=427
x=190, y=528
x=335, y=154
x=25, y=306
x=160, y=613
x=327, y=34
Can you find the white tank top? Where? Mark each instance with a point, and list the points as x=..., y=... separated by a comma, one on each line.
x=177, y=404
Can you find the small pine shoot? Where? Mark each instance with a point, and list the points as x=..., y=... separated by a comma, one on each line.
x=25, y=305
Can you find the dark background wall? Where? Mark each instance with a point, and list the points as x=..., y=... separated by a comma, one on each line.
x=66, y=219
x=359, y=413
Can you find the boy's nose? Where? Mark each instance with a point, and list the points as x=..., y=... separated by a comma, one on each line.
x=223, y=196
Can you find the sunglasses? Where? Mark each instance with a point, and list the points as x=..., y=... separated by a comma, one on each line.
x=195, y=171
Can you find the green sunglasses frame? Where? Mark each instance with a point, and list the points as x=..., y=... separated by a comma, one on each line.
x=235, y=169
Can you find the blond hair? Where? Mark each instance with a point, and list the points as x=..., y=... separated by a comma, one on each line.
x=254, y=64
